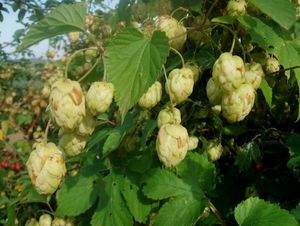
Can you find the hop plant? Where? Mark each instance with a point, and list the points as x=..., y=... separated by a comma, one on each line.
x=172, y=144
x=272, y=65
x=74, y=36
x=46, y=91
x=72, y=143
x=193, y=143
x=174, y=30
x=99, y=97
x=238, y=104
x=45, y=220
x=228, y=72
x=67, y=103
x=179, y=84
x=32, y=222
x=46, y=167
x=195, y=68
x=169, y=116
x=236, y=7
x=214, y=150
x=254, y=74
x=151, y=97
x=87, y=125
x=213, y=92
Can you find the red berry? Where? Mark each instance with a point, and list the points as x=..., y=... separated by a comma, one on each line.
x=4, y=164
x=258, y=166
x=18, y=166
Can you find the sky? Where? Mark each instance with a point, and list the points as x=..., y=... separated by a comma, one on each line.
x=10, y=25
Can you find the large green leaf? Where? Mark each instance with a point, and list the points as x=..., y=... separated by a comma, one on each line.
x=77, y=194
x=281, y=11
x=255, y=211
x=111, y=209
x=249, y=152
x=183, y=211
x=133, y=64
x=65, y=18
x=267, y=92
x=162, y=183
x=137, y=203
x=204, y=172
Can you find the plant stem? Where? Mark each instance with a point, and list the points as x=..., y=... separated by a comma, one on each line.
x=232, y=46
x=209, y=11
x=89, y=71
x=179, y=54
x=178, y=9
x=217, y=213
x=168, y=86
x=46, y=131
x=284, y=69
x=72, y=56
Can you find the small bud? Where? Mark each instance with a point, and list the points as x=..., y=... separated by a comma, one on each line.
x=151, y=97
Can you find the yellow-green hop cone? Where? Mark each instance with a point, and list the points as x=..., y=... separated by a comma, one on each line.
x=169, y=116
x=99, y=97
x=32, y=222
x=72, y=143
x=237, y=7
x=254, y=74
x=58, y=222
x=195, y=68
x=46, y=167
x=87, y=125
x=214, y=150
x=67, y=103
x=193, y=143
x=272, y=65
x=174, y=30
x=45, y=220
x=172, y=144
x=180, y=84
x=46, y=90
x=228, y=72
x=151, y=97
x=238, y=104
x=74, y=36
x=213, y=92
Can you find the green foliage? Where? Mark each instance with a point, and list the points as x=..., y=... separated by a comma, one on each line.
x=111, y=209
x=267, y=92
x=130, y=58
x=64, y=19
x=255, y=211
x=273, y=8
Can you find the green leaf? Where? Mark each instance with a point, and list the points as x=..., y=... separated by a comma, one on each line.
x=137, y=203
x=293, y=144
x=267, y=92
x=296, y=212
x=183, y=211
x=133, y=64
x=204, y=172
x=112, y=142
x=281, y=11
x=255, y=211
x=262, y=34
x=97, y=137
x=223, y=19
x=65, y=18
x=111, y=209
x=77, y=194
x=249, y=152
x=148, y=128
x=163, y=183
